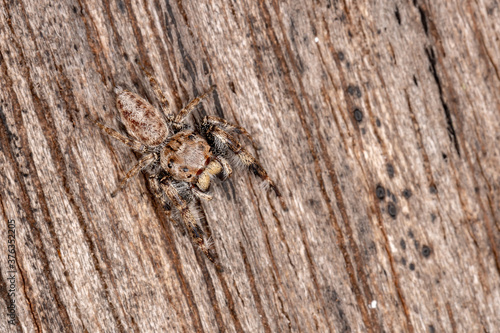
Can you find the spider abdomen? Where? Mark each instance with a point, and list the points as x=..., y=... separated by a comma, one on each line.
x=142, y=120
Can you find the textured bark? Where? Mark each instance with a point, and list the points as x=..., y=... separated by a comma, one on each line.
x=379, y=121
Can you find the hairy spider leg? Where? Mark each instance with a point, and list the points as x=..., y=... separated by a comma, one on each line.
x=227, y=126
x=135, y=145
x=187, y=216
x=190, y=107
x=165, y=106
x=145, y=161
x=154, y=182
x=226, y=168
x=155, y=185
x=223, y=138
x=200, y=194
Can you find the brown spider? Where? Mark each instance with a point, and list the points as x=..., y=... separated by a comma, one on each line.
x=180, y=160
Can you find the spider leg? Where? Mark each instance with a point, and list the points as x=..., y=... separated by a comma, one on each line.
x=135, y=145
x=154, y=182
x=143, y=162
x=200, y=194
x=187, y=216
x=226, y=126
x=226, y=168
x=159, y=94
x=190, y=107
x=155, y=185
x=224, y=139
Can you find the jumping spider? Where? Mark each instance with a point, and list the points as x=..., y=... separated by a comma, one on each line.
x=180, y=160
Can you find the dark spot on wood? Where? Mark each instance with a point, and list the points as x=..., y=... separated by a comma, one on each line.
x=354, y=91
x=410, y=234
x=333, y=301
x=341, y=55
x=431, y=329
x=232, y=87
x=415, y=80
x=313, y=203
x=433, y=217
x=402, y=243
x=390, y=170
x=380, y=192
x=75, y=10
x=377, y=122
x=3, y=119
x=358, y=115
x=433, y=189
x=403, y=261
x=445, y=157
x=407, y=193
x=391, y=209
x=412, y=267
x=426, y=251
x=417, y=244
x=398, y=16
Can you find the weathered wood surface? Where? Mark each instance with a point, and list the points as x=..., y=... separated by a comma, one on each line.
x=423, y=76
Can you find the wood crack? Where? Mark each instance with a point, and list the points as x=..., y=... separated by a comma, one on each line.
x=449, y=121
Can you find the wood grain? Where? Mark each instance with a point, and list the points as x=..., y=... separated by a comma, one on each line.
x=379, y=121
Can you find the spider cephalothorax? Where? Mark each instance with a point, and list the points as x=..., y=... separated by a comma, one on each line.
x=185, y=156
x=180, y=160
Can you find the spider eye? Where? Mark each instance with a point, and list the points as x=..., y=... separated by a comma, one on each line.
x=185, y=169
x=170, y=164
x=191, y=137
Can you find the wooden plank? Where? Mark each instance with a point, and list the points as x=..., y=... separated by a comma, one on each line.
x=379, y=122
